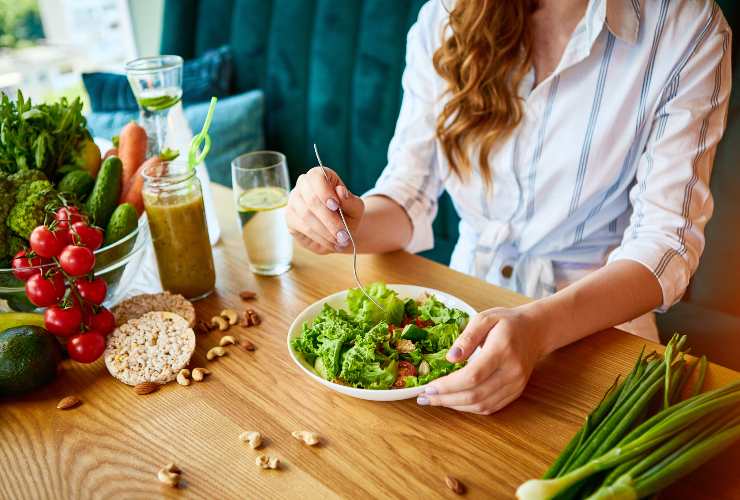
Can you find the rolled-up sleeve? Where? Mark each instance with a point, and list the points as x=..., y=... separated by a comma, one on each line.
x=411, y=176
x=671, y=199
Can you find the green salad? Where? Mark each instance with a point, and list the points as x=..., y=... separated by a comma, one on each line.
x=403, y=345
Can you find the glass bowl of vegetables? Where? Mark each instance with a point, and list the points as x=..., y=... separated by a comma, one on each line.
x=116, y=263
x=349, y=345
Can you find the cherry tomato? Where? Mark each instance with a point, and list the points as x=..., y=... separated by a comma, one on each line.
x=92, y=290
x=421, y=323
x=405, y=369
x=44, y=291
x=103, y=321
x=86, y=347
x=77, y=261
x=45, y=243
x=63, y=321
x=87, y=236
x=66, y=216
x=24, y=264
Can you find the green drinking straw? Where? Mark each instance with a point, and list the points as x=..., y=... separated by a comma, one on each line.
x=194, y=155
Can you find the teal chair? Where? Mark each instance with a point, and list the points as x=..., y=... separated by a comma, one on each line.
x=331, y=72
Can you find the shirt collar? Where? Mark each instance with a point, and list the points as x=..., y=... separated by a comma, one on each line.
x=623, y=19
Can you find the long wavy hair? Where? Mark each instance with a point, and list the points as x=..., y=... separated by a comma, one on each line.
x=486, y=51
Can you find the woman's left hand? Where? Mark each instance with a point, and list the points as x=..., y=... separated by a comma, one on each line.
x=511, y=344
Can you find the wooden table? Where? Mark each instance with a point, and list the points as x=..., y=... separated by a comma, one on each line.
x=113, y=444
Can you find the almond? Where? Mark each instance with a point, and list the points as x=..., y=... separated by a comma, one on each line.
x=145, y=388
x=247, y=345
x=247, y=295
x=254, y=318
x=68, y=403
x=455, y=485
x=203, y=327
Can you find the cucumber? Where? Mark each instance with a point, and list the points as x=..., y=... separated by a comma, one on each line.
x=104, y=197
x=78, y=183
x=123, y=221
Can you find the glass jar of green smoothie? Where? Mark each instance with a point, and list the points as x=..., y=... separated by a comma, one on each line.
x=173, y=200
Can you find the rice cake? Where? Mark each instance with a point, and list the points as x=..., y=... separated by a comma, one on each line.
x=139, y=305
x=152, y=348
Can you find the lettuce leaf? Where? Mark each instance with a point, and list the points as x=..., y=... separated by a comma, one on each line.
x=365, y=312
x=433, y=310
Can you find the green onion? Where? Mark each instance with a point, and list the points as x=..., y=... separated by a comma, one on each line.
x=634, y=442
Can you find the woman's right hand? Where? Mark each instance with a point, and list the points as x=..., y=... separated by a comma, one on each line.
x=313, y=211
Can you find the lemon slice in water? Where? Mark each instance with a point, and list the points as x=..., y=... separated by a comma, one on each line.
x=263, y=198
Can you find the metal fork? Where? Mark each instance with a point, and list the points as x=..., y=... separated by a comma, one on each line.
x=351, y=239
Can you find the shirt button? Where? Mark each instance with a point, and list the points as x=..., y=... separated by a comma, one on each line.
x=507, y=271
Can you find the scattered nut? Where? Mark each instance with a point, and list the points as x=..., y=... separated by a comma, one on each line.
x=308, y=437
x=220, y=323
x=183, y=377
x=200, y=373
x=455, y=485
x=215, y=352
x=145, y=388
x=267, y=462
x=169, y=474
x=68, y=403
x=230, y=315
x=247, y=294
x=424, y=368
x=405, y=346
x=247, y=345
x=203, y=327
x=226, y=340
x=254, y=318
x=253, y=438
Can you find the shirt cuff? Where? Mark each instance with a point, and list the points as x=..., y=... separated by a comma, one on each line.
x=671, y=270
x=422, y=236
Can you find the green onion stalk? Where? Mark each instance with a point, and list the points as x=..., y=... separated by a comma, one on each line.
x=618, y=454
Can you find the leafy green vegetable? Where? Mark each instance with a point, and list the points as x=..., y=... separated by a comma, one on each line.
x=368, y=313
x=361, y=347
x=413, y=332
x=42, y=137
x=433, y=310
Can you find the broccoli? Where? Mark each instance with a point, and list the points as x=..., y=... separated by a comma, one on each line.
x=30, y=209
x=7, y=200
x=22, y=178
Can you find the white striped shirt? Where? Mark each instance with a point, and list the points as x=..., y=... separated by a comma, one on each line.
x=611, y=161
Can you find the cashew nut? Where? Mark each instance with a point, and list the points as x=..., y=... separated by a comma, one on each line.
x=227, y=340
x=169, y=474
x=221, y=323
x=253, y=438
x=308, y=437
x=200, y=373
x=183, y=377
x=215, y=352
x=230, y=315
x=267, y=462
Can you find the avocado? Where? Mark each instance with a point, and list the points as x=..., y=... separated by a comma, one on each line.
x=29, y=356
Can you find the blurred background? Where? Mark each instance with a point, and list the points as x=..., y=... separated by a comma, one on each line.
x=45, y=45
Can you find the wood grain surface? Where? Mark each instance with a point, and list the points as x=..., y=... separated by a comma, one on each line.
x=112, y=445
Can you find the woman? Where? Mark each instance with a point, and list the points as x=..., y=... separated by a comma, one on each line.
x=576, y=139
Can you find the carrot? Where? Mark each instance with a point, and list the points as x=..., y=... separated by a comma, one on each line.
x=111, y=152
x=131, y=149
x=132, y=189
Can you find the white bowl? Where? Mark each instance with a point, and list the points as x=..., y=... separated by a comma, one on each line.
x=338, y=301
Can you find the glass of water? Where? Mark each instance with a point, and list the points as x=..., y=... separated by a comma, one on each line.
x=157, y=85
x=261, y=186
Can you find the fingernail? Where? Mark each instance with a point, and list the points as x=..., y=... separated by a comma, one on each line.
x=430, y=391
x=332, y=204
x=342, y=237
x=454, y=353
x=422, y=400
